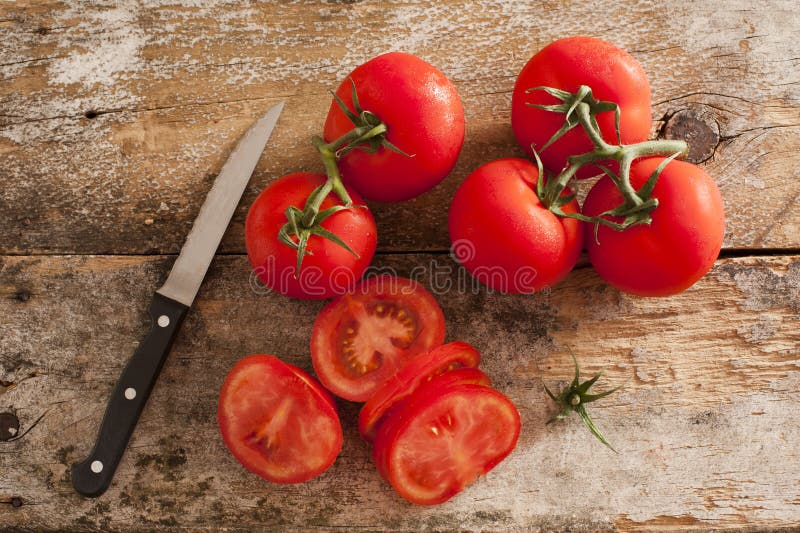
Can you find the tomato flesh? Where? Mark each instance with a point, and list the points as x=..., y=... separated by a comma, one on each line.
x=363, y=338
x=277, y=421
x=394, y=416
x=448, y=439
x=404, y=383
x=378, y=330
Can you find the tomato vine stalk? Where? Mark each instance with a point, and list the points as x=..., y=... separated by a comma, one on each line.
x=369, y=134
x=581, y=109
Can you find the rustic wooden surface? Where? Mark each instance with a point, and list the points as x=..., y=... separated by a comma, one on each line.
x=115, y=119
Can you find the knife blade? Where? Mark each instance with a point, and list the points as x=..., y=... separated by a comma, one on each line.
x=168, y=308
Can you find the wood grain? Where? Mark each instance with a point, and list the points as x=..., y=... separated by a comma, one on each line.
x=705, y=423
x=114, y=119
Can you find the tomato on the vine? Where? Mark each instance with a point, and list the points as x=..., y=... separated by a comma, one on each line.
x=329, y=269
x=503, y=234
x=364, y=337
x=277, y=421
x=680, y=244
x=566, y=64
x=425, y=120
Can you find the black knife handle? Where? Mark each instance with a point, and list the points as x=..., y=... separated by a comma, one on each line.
x=93, y=476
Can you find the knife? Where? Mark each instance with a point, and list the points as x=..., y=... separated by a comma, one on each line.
x=168, y=308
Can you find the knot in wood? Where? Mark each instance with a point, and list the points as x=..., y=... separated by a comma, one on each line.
x=22, y=295
x=9, y=426
x=698, y=127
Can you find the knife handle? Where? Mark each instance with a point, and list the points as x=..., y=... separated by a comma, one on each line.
x=93, y=476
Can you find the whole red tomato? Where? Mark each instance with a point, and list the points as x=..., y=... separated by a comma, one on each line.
x=680, y=244
x=424, y=117
x=566, y=64
x=503, y=234
x=330, y=269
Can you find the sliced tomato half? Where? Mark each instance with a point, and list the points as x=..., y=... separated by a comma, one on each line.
x=417, y=371
x=447, y=439
x=363, y=338
x=397, y=414
x=277, y=420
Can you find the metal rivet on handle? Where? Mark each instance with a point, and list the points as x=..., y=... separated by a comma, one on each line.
x=130, y=393
x=163, y=321
x=96, y=467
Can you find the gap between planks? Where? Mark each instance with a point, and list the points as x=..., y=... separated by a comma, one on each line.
x=724, y=254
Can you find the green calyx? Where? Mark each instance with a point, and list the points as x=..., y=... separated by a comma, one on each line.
x=574, y=399
x=368, y=134
x=303, y=231
x=374, y=130
x=581, y=109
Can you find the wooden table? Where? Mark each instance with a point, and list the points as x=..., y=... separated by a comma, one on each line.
x=115, y=120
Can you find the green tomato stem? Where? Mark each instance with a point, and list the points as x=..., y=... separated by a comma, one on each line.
x=302, y=224
x=585, y=118
x=635, y=208
x=329, y=152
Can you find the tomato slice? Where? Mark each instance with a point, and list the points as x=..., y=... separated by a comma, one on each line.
x=447, y=439
x=277, y=421
x=363, y=338
x=396, y=415
x=417, y=371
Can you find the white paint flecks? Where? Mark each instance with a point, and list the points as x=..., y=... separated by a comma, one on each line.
x=754, y=182
x=110, y=50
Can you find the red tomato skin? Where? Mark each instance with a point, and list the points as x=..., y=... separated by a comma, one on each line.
x=324, y=354
x=680, y=245
x=424, y=116
x=417, y=371
x=613, y=75
x=325, y=403
x=503, y=234
x=331, y=270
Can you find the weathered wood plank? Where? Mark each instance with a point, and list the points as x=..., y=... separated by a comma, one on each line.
x=705, y=425
x=115, y=119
